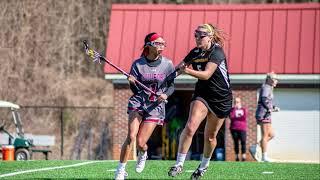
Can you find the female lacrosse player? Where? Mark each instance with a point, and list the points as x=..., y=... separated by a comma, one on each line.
x=212, y=98
x=146, y=110
x=263, y=117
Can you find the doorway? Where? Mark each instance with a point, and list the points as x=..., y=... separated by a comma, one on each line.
x=163, y=144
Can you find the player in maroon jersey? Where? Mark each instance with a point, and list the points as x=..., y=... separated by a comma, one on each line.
x=146, y=110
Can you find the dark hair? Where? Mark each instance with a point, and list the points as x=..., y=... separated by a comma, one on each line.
x=146, y=40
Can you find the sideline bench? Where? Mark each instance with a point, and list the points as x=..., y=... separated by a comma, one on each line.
x=42, y=144
x=44, y=151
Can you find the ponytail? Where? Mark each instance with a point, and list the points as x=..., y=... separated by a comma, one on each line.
x=217, y=34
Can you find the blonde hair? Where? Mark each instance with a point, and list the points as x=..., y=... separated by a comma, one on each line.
x=271, y=76
x=218, y=35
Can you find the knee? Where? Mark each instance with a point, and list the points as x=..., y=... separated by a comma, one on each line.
x=140, y=143
x=271, y=135
x=265, y=135
x=190, y=130
x=211, y=137
x=243, y=143
x=131, y=139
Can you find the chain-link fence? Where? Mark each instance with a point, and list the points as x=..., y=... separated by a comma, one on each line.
x=78, y=132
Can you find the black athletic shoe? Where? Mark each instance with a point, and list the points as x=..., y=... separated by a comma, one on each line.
x=175, y=170
x=198, y=173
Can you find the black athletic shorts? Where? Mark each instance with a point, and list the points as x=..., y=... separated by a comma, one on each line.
x=221, y=107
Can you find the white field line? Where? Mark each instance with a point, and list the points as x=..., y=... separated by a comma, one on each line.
x=189, y=171
x=298, y=161
x=47, y=169
x=112, y=170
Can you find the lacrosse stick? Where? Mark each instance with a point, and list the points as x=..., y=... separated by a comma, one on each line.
x=98, y=58
x=175, y=73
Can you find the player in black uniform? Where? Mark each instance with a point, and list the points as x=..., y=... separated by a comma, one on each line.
x=212, y=98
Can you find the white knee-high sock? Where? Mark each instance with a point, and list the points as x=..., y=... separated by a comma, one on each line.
x=204, y=163
x=180, y=159
x=121, y=165
x=264, y=155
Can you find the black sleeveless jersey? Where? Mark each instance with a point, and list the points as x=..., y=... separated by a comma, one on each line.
x=217, y=88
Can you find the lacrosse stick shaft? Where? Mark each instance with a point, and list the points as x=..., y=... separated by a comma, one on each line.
x=114, y=66
x=126, y=74
x=94, y=54
x=173, y=75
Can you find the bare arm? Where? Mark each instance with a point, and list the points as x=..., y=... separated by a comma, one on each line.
x=202, y=75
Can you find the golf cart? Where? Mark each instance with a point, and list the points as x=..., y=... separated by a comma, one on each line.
x=23, y=147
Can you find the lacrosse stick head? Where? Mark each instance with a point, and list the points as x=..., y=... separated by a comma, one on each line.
x=91, y=53
x=86, y=46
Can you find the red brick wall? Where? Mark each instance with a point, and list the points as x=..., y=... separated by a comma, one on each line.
x=120, y=124
x=248, y=94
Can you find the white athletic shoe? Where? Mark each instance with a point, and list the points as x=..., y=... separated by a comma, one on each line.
x=121, y=174
x=141, y=162
x=259, y=153
x=256, y=152
x=267, y=159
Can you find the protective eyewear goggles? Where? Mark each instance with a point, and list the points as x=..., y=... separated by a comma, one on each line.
x=156, y=44
x=201, y=34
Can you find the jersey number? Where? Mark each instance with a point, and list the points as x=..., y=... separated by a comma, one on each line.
x=199, y=67
x=153, y=97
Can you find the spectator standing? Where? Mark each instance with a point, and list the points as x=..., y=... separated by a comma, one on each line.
x=238, y=128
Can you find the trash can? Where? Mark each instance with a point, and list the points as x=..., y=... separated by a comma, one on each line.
x=7, y=153
x=219, y=152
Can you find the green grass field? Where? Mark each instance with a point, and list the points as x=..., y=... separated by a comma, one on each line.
x=157, y=170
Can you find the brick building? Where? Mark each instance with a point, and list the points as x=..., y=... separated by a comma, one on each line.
x=261, y=38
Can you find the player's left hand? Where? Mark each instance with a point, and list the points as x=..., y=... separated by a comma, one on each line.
x=181, y=65
x=186, y=70
x=162, y=97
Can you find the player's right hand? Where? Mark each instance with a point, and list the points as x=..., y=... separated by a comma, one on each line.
x=162, y=97
x=132, y=79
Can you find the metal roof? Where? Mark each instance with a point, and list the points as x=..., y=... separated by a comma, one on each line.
x=312, y=79
x=284, y=38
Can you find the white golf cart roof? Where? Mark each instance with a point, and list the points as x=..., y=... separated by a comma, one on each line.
x=7, y=104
